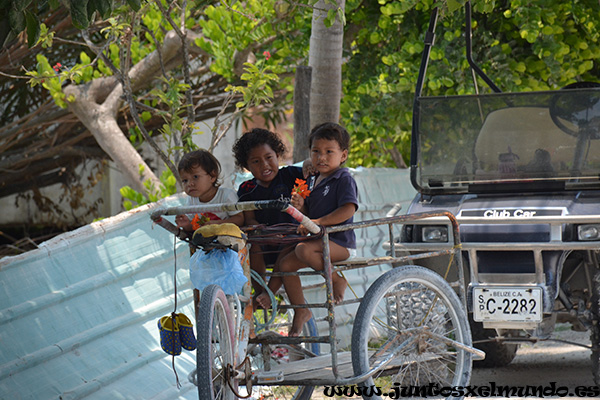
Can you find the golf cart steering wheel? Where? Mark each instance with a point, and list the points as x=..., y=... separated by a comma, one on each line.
x=564, y=108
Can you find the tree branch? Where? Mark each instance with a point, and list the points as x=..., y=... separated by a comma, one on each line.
x=127, y=91
x=182, y=33
x=218, y=131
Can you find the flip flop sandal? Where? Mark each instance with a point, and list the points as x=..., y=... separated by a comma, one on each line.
x=186, y=332
x=170, y=340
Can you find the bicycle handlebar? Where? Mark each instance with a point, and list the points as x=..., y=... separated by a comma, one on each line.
x=280, y=205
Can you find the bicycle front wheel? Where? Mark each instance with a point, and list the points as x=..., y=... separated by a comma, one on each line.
x=415, y=307
x=214, y=354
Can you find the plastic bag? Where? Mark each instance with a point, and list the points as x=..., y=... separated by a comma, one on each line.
x=221, y=267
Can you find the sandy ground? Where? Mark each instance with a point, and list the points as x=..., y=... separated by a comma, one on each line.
x=538, y=364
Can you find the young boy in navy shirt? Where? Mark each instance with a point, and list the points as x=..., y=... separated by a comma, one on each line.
x=333, y=201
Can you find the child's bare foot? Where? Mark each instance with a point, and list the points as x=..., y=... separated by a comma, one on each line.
x=301, y=316
x=339, y=288
x=262, y=300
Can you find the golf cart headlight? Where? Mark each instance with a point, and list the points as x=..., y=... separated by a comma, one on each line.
x=588, y=232
x=437, y=234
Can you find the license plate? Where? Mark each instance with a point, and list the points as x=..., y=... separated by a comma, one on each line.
x=497, y=304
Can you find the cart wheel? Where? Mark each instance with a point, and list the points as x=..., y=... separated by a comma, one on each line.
x=411, y=297
x=215, y=345
x=595, y=330
x=281, y=353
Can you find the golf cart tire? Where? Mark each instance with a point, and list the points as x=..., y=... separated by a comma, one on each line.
x=595, y=329
x=497, y=354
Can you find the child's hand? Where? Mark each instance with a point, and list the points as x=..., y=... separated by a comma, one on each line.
x=308, y=168
x=302, y=230
x=297, y=201
x=184, y=222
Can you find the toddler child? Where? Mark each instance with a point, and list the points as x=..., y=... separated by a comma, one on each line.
x=199, y=171
x=332, y=201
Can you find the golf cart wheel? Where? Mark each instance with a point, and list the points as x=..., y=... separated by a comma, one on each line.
x=595, y=330
x=497, y=354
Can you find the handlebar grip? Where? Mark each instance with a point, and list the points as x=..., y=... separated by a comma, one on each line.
x=394, y=210
x=157, y=219
x=303, y=219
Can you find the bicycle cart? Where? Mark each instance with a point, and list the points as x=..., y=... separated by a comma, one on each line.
x=410, y=328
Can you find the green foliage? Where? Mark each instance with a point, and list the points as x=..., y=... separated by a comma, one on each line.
x=376, y=107
x=45, y=37
x=33, y=27
x=79, y=13
x=22, y=15
x=231, y=34
x=133, y=199
x=227, y=32
x=115, y=28
x=170, y=96
x=259, y=85
x=522, y=46
x=135, y=4
x=51, y=79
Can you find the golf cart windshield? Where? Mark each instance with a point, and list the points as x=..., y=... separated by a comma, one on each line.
x=534, y=141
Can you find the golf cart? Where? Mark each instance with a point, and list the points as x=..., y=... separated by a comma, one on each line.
x=521, y=173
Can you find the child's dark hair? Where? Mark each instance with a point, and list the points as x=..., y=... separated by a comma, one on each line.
x=330, y=131
x=252, y=139
x=205, y=160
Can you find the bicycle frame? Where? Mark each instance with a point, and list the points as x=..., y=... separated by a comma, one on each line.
x=244, y=328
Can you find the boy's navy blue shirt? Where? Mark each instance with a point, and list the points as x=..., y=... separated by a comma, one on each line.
x=330, y=194
x=279, y=188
